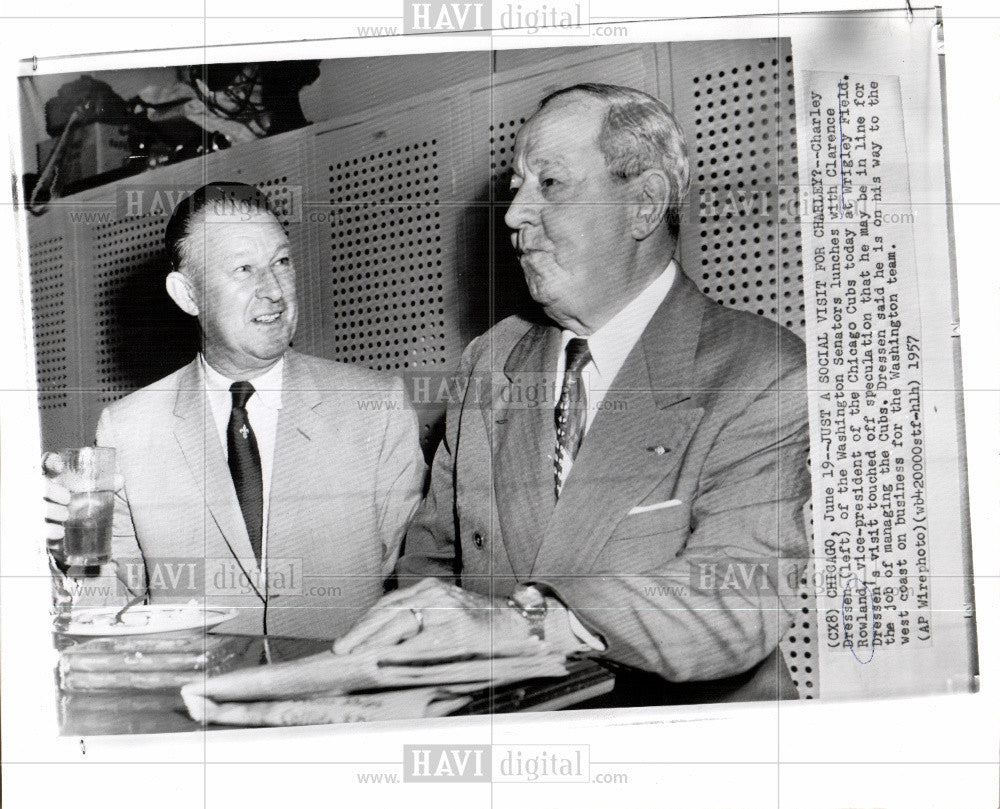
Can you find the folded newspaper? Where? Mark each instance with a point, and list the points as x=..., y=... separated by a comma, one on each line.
x=365, y=686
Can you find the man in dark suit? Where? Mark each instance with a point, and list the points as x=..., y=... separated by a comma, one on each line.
x=662, y=447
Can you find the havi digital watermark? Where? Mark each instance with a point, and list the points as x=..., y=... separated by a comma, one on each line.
x=483, y=17
x=522, y=763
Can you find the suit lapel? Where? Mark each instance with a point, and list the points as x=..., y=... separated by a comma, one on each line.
x=624, y=455
x=298, y=426
x=199, y=441
x=525, y=438
x=635, y=441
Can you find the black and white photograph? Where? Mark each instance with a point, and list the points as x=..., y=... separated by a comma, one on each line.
x=511, y=396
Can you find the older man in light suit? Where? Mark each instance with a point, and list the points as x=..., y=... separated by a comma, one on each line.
x=257, y=477
x=672, y=449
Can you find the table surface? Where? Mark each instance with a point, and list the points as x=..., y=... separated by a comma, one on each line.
x=130, y=711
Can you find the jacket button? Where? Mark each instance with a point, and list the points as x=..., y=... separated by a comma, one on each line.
x=477, y=538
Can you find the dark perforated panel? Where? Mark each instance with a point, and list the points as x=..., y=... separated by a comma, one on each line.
x=801, y=644
x=285, y=200
x=502, y=143
x=49, y=295
x=387, y=309
x=738, y=241
x=121, y=249
x=744, y=170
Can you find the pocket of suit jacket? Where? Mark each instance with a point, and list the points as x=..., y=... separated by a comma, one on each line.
x=645, y=540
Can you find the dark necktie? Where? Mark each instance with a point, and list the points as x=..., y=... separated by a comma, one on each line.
x=244, y=465
x=571, y=410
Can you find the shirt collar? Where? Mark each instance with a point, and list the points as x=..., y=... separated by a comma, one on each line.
x=611, y=344
x=267, y=386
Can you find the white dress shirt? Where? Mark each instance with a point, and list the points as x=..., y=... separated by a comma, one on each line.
x=262, y=410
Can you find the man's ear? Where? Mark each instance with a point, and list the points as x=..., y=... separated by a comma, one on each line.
x=180, y=288
x=652, y=189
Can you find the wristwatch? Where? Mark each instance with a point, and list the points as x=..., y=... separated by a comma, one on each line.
x=530, y=602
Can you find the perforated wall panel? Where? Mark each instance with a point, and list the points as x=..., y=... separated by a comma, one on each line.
x=801, y=644
x=502, y=135
x=736, y=104
x=51, y=294
x=121, y=250
x=389, y=229
x=285, y=200
x=388, y=222
x=738, y=111
x=386, y=255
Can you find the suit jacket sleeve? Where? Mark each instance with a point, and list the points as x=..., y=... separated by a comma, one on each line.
x=401, y=474
x=683, y=619
x=430, y=542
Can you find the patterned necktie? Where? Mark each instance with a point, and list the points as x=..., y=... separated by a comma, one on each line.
x=571, y=411
x=244, y=466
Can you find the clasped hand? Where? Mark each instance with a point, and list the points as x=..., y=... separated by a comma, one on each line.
x=434, y=616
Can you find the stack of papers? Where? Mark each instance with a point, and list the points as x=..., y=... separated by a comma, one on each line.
x=363, y=686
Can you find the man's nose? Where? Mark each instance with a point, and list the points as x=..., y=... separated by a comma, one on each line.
x=523, y=209
x=269, y=286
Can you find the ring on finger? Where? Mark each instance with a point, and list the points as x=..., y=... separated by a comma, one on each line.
x=418, y=616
